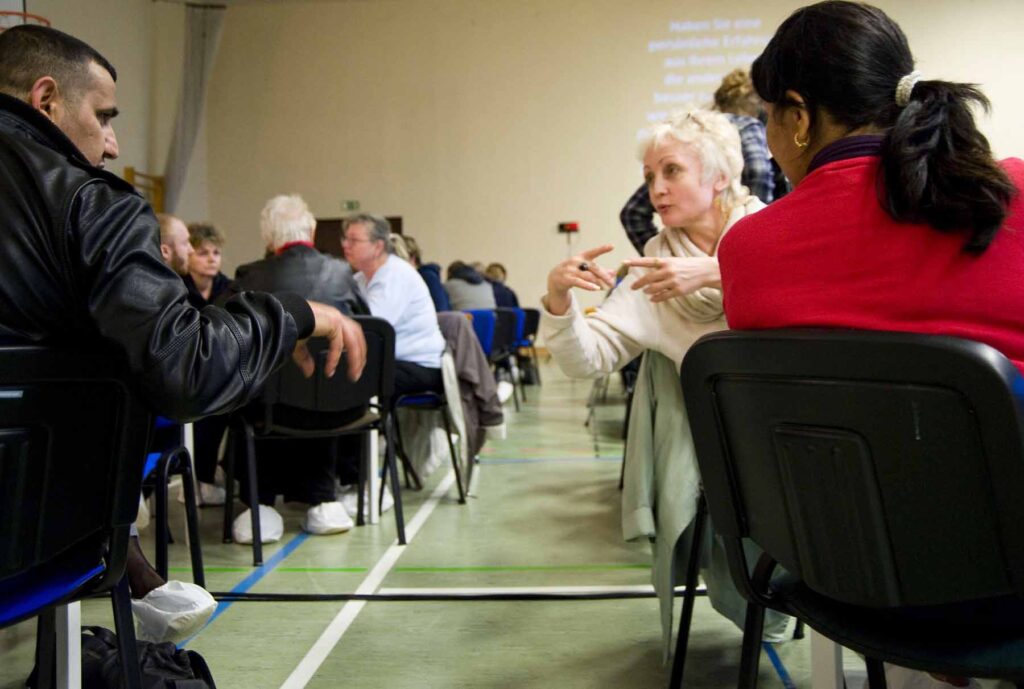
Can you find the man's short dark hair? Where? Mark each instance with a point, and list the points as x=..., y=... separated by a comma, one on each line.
x=29, y=52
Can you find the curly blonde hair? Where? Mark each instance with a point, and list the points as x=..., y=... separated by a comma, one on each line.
x=736, y=94
x=715, y=140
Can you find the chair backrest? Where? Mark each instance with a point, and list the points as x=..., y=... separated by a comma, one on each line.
x=531, y=322
x=338, y=394
x=520, y=326
x=483, y=325
x=882, y=469
x=72, y=445
x=504, y=333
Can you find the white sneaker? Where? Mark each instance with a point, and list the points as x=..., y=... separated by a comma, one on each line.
x=210, y=495
x=172, y=612
x=505, y=390
x=349, y=497
x=271, y=526
x=327, y=518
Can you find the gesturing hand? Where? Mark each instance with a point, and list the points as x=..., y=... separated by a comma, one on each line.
x=342, y=333
x=671, y=277
x=580, y=271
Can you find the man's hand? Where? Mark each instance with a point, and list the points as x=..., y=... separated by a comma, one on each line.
x=342, y=333
x=579, y=271
x=672, y=277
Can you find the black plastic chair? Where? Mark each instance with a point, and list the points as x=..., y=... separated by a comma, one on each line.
x=72, y=441
x=288, y=394
x=531, y=323
x=882, y=472
x=503, y=349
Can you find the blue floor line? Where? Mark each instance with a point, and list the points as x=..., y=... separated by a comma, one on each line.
x=251, y=580
x=773, y=656
x=539, y=460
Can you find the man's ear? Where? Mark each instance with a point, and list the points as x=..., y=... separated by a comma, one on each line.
x=165, y=251
x=45, y=97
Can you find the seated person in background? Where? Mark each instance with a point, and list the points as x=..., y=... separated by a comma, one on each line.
x=669, y=299
x=431, y=274
x=900, y=220
x=736, y=98
x=287, y=227
x=204, y=281
x=175, y=248
x=503, y=294
x=467, y=289
x=206, y=284
x=395, y=292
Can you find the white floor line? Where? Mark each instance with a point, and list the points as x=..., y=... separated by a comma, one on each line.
x=526, y=590
x=330, y=637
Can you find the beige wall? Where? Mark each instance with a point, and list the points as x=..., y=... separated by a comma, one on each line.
x=484, y=123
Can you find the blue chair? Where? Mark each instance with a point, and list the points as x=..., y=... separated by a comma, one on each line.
x=172, y=458
x=483, y=325
x=435, y=402
x=72, y=438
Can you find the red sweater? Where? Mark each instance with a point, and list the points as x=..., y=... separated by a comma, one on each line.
x=828, y=255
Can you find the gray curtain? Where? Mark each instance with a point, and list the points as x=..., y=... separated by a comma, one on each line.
x=203, y=25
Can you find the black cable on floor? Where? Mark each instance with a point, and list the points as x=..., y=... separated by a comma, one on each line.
x=231, y=597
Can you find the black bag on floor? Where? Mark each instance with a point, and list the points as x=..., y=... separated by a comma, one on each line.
x=162, y=665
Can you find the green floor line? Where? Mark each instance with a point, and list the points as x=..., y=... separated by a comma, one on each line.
x=525, y=568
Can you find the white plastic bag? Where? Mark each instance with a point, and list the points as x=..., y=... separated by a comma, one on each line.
x=172, y=612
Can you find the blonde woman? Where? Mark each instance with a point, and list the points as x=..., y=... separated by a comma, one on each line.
x=669, y=298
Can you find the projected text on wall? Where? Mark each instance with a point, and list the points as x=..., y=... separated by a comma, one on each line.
x=693, y=56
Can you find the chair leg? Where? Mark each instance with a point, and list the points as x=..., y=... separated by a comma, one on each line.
x=364, y=468
x=750, y=659
x=513, y=373
x=46, y=650
x=163, y=467
x=391, y=467
x=254, y=498
x=455, y=457
x=184, y=469
x=124, y=626
x=876, y=673
x=229, y=483
x=536, y=362
x=689, y=596
x=407, y=468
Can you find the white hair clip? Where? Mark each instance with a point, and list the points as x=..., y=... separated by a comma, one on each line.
x=905, y=87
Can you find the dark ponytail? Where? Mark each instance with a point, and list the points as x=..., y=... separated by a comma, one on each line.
x=937, y=167
x=847, y=58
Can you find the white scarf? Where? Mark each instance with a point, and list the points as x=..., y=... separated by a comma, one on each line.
x=705, y=304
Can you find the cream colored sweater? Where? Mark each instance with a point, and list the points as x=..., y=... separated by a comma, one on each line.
x=627, y=323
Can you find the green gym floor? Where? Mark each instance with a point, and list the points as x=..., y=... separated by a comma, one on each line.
x=545, y=517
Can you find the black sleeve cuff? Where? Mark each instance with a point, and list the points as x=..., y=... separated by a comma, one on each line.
x=299, y=310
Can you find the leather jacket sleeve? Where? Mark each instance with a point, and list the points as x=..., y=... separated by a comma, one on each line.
x=190, y=363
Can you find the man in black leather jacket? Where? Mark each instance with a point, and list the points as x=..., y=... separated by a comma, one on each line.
x=79, y=256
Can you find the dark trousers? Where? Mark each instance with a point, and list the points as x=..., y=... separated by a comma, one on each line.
x=410, y=378
x=206, y=436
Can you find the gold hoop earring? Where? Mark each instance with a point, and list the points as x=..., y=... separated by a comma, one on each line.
x=799, y=144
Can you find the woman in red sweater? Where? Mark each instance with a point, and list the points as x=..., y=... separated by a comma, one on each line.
x=900, y=219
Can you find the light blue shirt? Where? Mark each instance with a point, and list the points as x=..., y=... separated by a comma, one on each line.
x=398, y=294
